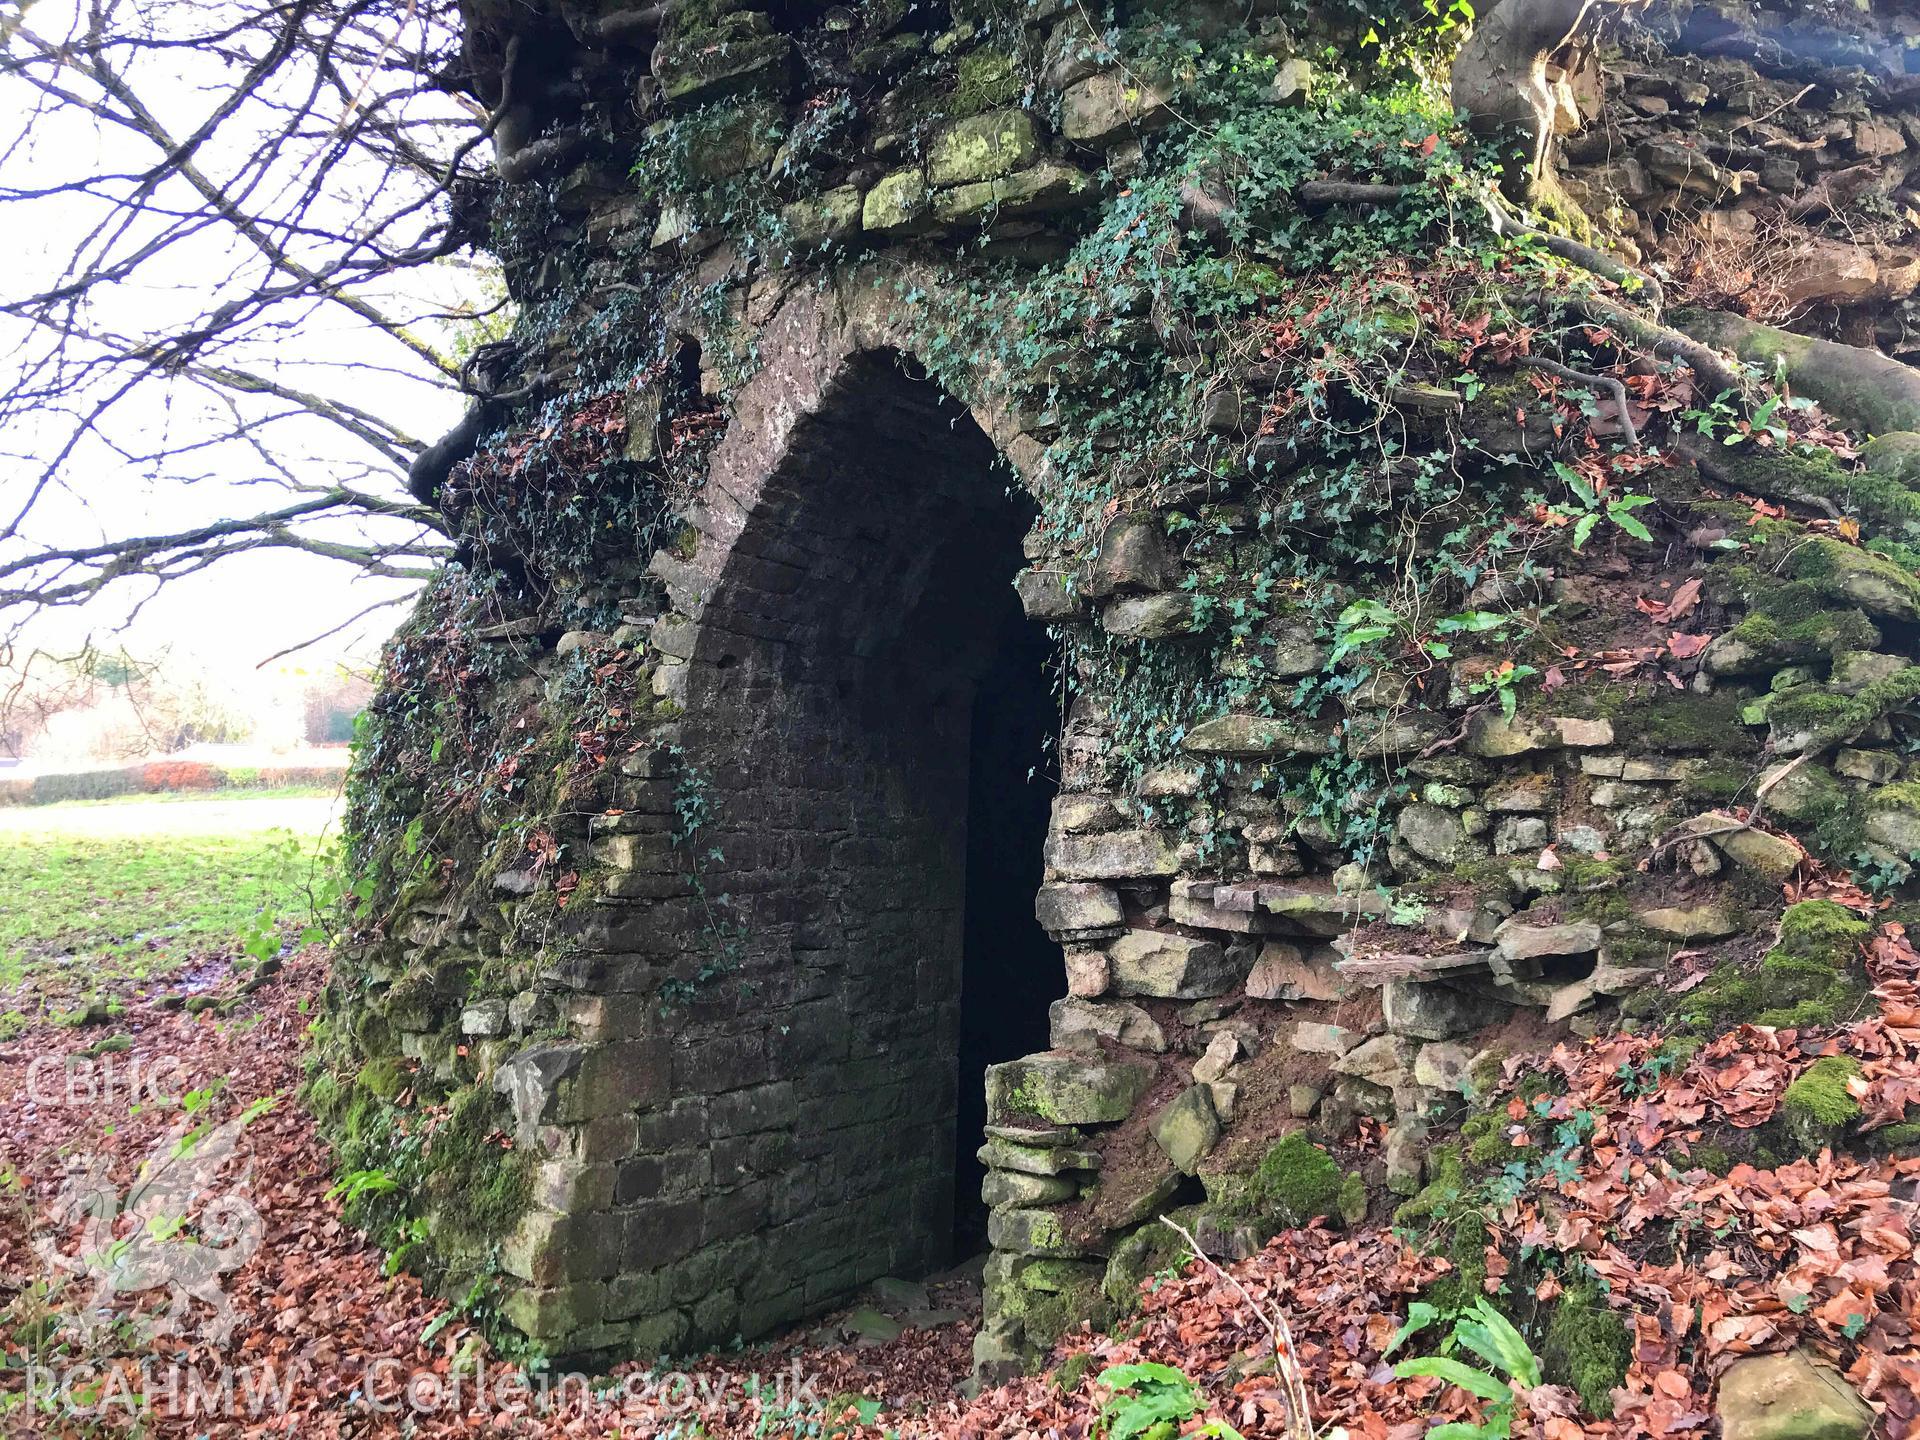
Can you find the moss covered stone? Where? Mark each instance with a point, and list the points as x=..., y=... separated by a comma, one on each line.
x=1847, y=573
x=1296, y=1181
x=1893, y=817
x=984, y=147
x=1815, y=717
x=478, y=1187
x=986, y=78
x=1810, y=978
x=1587, y=1346
x=1664, y=721
x=1446, y=1187
x=1817, y=1106
x=1049, y=1296
x=1903, y=1138
x=1150, y=1249
x=384, y=1078
x=1486, y=1137
x=1064, y=1090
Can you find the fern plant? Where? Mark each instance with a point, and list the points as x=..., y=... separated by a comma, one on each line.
x=1481, y=1331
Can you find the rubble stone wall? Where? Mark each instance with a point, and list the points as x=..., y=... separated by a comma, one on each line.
x=664, y=803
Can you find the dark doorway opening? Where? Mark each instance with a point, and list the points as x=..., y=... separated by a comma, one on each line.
x=1011, y=973
x=876, y=714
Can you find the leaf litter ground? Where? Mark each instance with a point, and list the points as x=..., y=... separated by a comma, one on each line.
x=1704, y=1268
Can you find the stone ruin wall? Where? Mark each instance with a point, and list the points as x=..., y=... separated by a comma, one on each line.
x=746, y=1151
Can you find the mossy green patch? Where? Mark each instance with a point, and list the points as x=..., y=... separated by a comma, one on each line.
x=1717, y=784
x=1824, y=717
x=478, y=1188
x=1715, y=1158
x=985, y=80
x=1843, y=572
x=1809, y=979
x=1486, y=1137
x=1903, y=1137
x=1446, y=1187
x=1072, y=1371
x=385, y=1077
x=1587, y=1346
x=1817, y=1106
x=1822, y=930
x=1294, y=1181
x=1663, y=721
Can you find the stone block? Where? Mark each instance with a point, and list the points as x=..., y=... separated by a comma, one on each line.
x=1191, y=903
x=1171, y=966
x=1003, y=1188
x=741, y=137
x=1106, y=107
x=1435, y=1011
x=1032, y=1232
x=1044, y=596
x=1789, y=1397
x=484, y=1018
x=1432, y=832
x=1519, y=833
x=1255, y=737
x=1115, y=855
x=1046, y=188
x=1151, y=617
x=982, y=147
x=1318, y=910
x=999, y=1154
x=1089, y=973
x=1187, y=1128
x=1529, y=794
x=1066, y=1090
x=1519, y=940
x=1076, y=1024
x=1577, y=733
x=1876, y=767
x=1077, y=905
x=1083, y=813
x=1711, y=921
x=553, y=1313
x=1286, y=971
x=824, y=219
x=898, y=204
x=1494, y=736
x=1133, y=559
x=532, y=1081
x=1386, y=1060
x=1854, y=670
x=695, y=70
x=1443, y=1065
x=1772, y=857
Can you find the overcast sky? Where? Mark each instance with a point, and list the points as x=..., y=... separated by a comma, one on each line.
x=156, y=469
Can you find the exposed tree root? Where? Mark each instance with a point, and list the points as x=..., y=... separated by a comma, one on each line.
x=1655, y=338
x=1574, y=252
x=1863, y=387
x=1609, y=383
x=1772, y=481
x=1322, y=194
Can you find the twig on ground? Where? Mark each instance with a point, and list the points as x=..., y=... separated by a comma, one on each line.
x=1286, y=1360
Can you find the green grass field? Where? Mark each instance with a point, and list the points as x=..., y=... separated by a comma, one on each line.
x=101, y=896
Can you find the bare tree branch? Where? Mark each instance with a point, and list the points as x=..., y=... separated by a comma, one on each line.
x=203, y=181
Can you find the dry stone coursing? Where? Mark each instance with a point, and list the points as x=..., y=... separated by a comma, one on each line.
x=803, y=643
